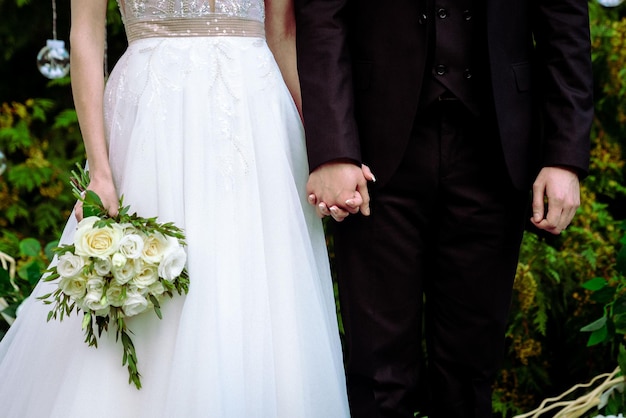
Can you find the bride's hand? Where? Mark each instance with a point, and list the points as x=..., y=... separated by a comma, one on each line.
x=106, y=192
x=353, y=205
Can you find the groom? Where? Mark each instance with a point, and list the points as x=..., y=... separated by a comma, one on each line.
x=457, y=106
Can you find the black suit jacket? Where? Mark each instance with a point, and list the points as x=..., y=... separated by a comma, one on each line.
x=362, y=63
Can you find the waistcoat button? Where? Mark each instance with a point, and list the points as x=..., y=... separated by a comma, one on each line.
x=467, y=15
x=441, y=69
x=442, y=13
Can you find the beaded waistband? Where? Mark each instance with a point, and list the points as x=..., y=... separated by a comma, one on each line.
x=196, y=27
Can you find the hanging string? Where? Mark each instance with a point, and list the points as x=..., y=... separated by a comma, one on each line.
x=54, y=19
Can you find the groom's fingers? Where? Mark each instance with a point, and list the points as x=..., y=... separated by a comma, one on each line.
x=367, y=173
x=353, y=205
x=338, y=214
x=322, y=209
x=365, y=205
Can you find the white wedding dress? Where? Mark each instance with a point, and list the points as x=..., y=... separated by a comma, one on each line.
x=203, y=132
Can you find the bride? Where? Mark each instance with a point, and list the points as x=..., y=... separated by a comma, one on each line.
x=198, y=124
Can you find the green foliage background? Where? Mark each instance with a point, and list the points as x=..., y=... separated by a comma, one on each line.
x=547, y=352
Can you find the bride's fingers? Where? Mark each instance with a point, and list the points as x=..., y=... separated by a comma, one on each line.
x=78, y=211
x=367, y=173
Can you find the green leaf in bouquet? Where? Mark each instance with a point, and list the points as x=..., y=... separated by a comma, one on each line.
x=157, y=306
x=130, y=357
x=86, y=320
x=92, y=205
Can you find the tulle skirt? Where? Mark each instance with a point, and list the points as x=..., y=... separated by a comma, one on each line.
x=202, y=132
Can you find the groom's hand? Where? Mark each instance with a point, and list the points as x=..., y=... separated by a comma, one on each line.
x=338, y=189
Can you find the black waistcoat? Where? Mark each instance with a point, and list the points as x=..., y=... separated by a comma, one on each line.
x=457, y=58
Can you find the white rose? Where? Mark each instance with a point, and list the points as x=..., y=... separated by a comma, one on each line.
x=95, y=301
x=102, y=266
x=128, y=228
x=74, y=287
x=96, y=242
x=118, y=260
x=124, y=273
x=146, y=276
x=155, y=246
x=95, y=284
x=134, y=304
x=131, y=246
x=104, y=311
x=173, y=264
x=70, y=265
x=83, y=226
x=156, y=289
x=115, y=295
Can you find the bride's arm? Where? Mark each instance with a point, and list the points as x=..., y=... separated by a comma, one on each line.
x=87, y=39
x=280, y=31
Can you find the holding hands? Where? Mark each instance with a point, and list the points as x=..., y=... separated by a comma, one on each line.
x=339, y=188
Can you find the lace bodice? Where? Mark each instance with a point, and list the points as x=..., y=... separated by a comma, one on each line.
x=138, y=10
x=167, y=18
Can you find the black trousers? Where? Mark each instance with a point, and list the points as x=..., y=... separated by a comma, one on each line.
x=438, y=254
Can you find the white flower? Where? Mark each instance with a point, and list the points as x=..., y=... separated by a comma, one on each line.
x=74, y=287
x=128, y=228
x=95, y=284
x=118, y=260
x=70, y=265
x=115, y=295
x=134, y=304
x=173, y=264
x=102, y=266
x=124, y=273
x=95, y=300
x=154, y=248
x=146, y=276
x=131, y=246
x=104, y=312
x=96, y=242
x=156, y=289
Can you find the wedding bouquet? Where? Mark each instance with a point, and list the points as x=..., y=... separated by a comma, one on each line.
x=117, y=267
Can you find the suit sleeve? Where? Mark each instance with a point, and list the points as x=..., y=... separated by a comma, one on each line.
x=563, y=46
x=325, y=73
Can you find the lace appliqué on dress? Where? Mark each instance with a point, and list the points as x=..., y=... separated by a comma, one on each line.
x=164, y=9
x=154, y=85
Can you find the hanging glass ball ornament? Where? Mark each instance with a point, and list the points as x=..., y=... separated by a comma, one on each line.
x=3, y=163
x=610, y=3
x=53, y=61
